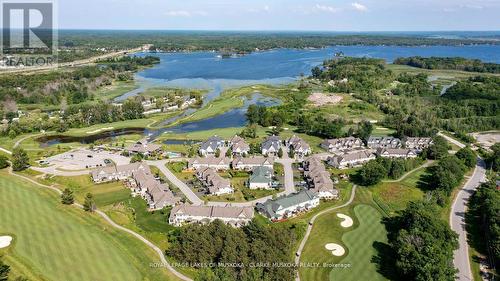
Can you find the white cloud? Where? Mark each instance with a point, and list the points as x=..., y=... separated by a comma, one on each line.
x=471, y=6
x=325, y=8
x=183, y=13
x=265, y=9
x=359, y=7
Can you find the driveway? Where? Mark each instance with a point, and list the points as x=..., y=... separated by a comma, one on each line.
x=287, y=168
x=190, y=195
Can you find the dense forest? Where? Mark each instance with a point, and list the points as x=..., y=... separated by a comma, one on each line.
x=242, y=41
x=253, y=252
x=73, y=86
x=483, y=221
x=420, y=245
x=354, y=74
x=454, y=63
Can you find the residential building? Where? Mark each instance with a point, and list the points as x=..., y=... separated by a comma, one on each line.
x=143, y=147
x=156, y=194
x=216, y=185
x=209, y=162
x=141, y=181
x=349, y=160
x=319, y=179
x=210, y=146
x=115, y=173
x=342, y=144
x=298, y=146
x=235, y=216
x=384, y=142
x=261, y=178
x=396, y=153
x=271, y=146
x=247, y=164
x=238, y=146
x=418, y=144
x=289, y=205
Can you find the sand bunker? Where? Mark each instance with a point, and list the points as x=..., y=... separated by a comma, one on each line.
x=5, y=241
x=346, y=220
x=320, y=99
x=336, y=249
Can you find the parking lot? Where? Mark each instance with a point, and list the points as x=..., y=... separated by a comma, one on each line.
x=83, y=159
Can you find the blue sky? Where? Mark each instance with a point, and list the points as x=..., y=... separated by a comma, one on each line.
x=333, y=15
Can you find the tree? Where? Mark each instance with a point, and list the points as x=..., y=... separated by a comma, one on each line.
x=422, y=243
x=467, y=156
x=4, y=162
x=89, y=205
x=67, y=197
x=483, y=222
x=253, y=116
x=372, y=173
x=217, y=152
x=136, y=158
x=447, y=174
x=397, y=169
x=365, y=129
x=229, y=152
x=4, y=271
x=280, y=152
x=438, y=149
x=494, y=158
x=20, y=159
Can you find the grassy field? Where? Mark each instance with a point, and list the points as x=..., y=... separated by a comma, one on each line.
x=395, y=195
x=57, y=242
x=353, y=110
x=114, y=90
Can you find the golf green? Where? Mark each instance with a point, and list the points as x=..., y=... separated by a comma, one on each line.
x=360, y=244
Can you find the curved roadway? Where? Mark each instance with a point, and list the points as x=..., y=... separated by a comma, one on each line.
x=457, y=215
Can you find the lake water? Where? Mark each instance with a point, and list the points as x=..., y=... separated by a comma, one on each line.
x=205, y=70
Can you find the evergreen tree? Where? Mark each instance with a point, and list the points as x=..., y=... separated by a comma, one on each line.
x=89, y=205
x=67, y=197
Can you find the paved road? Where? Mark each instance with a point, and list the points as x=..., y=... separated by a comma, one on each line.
x=52, y=170
x=452, y=140
x=113, y=224
x=457, y=220
x=457, y=215
x=311, y=223
x=190, y=195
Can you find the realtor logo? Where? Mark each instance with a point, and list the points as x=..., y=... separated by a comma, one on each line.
x=27, y=28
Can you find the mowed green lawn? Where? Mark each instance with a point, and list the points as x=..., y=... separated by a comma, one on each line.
x=360, y=244
x=357, y=240
x=56, y=242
